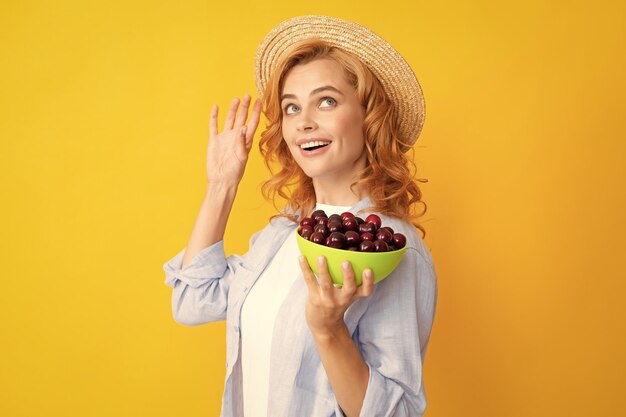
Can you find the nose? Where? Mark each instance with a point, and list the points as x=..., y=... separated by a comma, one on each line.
x=306, y=122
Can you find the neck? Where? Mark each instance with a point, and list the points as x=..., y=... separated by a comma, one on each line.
x=337, y=194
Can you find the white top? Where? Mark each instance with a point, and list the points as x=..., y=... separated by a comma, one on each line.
x=258, y=315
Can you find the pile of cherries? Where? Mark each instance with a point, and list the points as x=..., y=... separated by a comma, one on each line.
x=347, y=231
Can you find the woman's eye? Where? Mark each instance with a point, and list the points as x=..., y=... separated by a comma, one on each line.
x=291, y=108
x=328, y=101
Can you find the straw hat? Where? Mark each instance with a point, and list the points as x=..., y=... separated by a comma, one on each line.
x=386, y=63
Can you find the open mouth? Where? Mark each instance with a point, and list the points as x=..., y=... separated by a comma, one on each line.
x=313, y=145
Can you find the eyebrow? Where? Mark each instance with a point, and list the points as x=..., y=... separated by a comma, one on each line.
x=316, y=91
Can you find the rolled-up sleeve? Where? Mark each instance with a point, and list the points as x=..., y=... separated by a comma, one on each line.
x=200, y=288
x=393, y=335
x=208, y=264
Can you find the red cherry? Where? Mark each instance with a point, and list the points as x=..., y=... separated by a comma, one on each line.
x=304, y=228
x=384, y=235
x=346, y=215
x=367, y=246
x=381, y=246
x=335, y=216
x=318, y=213
x=322, y=220
x=399, y=240
x=321, y=228
x=336, y=240
x=307, y=221
x=350, y=224
x=335, y=225
x=367, y=228
x=367, y=236
x=388, y=228
x=372, y=218
x=318, y=237
x=352, y=238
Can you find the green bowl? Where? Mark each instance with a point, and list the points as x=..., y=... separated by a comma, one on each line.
x=381, y=263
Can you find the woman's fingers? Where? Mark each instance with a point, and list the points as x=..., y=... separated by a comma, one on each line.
x=242, y=148
x=349, y=282
x=326, y=283
x=232, y=112
x=309, y=277
x=237, y=116
x=242, y=114
x=367, y=288
x=213, y=121
x=253, y=123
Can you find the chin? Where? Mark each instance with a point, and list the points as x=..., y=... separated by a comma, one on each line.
x=311, y=173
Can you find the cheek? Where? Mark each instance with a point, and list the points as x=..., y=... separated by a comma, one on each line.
x=350, y=124
x=293, y=151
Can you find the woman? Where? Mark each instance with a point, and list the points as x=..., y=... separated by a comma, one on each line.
x=343, y=109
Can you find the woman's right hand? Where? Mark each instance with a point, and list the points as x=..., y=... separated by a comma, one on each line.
x=228, y=150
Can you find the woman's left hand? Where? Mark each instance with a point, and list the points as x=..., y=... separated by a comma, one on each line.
x=326, y=303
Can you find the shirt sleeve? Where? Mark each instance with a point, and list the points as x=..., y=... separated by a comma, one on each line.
x=393, y=334
x=200, y=288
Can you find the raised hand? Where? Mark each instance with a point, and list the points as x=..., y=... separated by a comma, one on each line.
x=228, y=150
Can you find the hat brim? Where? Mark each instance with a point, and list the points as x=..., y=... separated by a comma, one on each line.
x=393, y=72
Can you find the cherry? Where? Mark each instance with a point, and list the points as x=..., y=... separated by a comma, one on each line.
x=346, y=215
x=367, y=228
x=318, y=213
x=350, y=223
x=318, y=237
x=399, y=240
x=322, y=220
x=336, y=240
x=388, y=228
x=304, y=229
x=335, y=216
x=367, y=246
x=372, y=218
x=384, y=235
x=335, y=225
x=321, y=228
x=307, y=221
x=381, y=246
x=352, y=238
x=367, y=236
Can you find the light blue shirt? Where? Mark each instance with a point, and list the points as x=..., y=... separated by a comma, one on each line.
x=391, y=328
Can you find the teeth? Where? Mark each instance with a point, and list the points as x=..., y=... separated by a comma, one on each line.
x=313, y=144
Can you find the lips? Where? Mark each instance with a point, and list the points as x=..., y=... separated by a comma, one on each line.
x=314, y=144
x=308, y=146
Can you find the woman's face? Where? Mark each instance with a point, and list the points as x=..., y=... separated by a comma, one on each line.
x=323, y=121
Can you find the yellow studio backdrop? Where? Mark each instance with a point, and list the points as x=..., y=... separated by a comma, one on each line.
x=104, y=108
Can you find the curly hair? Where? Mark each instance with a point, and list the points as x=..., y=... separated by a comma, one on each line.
x=389, y=174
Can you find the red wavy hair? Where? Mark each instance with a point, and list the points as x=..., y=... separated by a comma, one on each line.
x=389, y=175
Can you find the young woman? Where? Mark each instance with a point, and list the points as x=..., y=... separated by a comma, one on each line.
x=343, y=109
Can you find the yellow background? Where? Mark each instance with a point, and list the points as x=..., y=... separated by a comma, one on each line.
x=104, y=110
